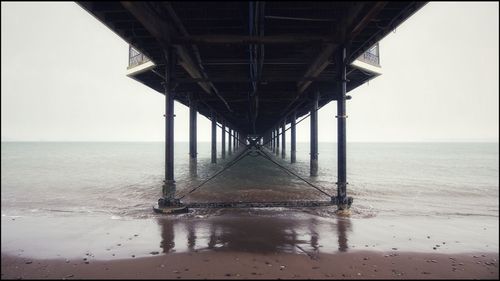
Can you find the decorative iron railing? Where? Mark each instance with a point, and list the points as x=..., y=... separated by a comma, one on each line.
x=371, y=56
x=135, y=57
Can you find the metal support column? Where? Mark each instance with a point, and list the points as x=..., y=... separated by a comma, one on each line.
x=277, y=140
x=192, y=127
x=270, y=141
x=214, y=137
x=230, y=142
x=314, y=136
x=342, y=200
x=293, y=145
x=273, y=135
x=168, y=190
x=283, y=139
x=223, y=149
x=234, y=140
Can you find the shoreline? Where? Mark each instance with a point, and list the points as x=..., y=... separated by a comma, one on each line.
x=246, y=265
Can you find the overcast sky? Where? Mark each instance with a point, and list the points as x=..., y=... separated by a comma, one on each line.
x=63, y=78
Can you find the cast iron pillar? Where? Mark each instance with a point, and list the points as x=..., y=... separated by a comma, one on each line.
x=229, y=142
x=293, y=145
x=168, y=190
x=314, y=136
x=223, y=149
x=214, y=137
x=192, y=127
x=283, y=139
x=277, y=140
x=272, y=140
x=269, y=139
x=234, y=140
x=237, y=140
x=342, y=201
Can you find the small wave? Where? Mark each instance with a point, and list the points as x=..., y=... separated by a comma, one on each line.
x=11, y=216
x=61, y=211
x=463, y=214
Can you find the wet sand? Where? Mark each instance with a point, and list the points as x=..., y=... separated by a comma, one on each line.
x=244, y=265
x=252, y=244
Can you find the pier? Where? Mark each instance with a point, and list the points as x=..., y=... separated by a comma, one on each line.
x=255, y=69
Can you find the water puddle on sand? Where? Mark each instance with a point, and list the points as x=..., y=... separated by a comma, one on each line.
x=266, y=231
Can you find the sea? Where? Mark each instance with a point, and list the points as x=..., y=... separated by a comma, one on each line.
x=56, y=190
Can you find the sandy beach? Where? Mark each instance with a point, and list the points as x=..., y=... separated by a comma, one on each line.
x=241, y=265
x=248, y=244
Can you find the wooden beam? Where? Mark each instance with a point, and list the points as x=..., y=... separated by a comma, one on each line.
x=191, y=67
x=403, y=14
x=367, y=18
x=240, y=79
x=247, y=40
x=347, y=21
x=316, y=67
x=162, y=31
x=188, y=64
x=343, y=33
x=151, y=21
x=284, y=61
x=245, y=100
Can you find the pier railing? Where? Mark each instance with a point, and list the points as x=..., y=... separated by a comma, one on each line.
x=135, y=57
x=371, y=56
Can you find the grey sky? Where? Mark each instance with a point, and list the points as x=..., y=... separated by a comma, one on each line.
x=63, y=78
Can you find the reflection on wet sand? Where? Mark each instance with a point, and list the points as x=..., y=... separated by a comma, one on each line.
x=254, y=234
x=343, y=224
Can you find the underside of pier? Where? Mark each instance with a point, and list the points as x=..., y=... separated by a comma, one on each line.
x=254, y=67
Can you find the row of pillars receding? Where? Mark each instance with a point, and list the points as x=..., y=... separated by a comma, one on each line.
x=232, y=135
x=271, y=139
x=277, y=136
x=234, y=139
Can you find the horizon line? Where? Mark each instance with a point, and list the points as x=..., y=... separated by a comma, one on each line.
x=354, y=141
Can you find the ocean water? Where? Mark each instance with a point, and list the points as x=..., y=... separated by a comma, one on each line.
x=81, y=200
x=125, y=179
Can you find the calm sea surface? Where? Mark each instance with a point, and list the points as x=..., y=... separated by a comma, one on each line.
x=81, y=200
x=124, y=179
